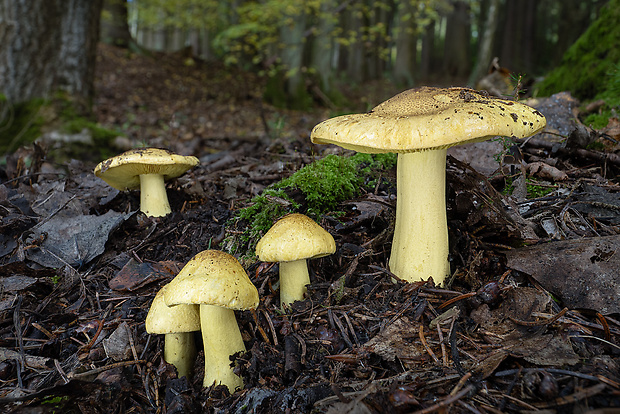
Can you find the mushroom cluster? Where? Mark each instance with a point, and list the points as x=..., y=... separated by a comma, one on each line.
x=213, y=284
x=420, y=124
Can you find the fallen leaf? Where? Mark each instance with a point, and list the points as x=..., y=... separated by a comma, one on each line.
x=581, y=273
x=135, y=275
x=72, y=241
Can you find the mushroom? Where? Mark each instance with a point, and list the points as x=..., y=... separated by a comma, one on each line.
x=292, y=240
x=147, y=169
x=420, y=124
x=216, y=281
x=177, y=323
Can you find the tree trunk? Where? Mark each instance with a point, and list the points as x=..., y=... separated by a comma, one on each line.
x=292, y=37
x=405, y=62
x=456, y=47
x=510, y=35
x=485, y=43
x=427, y=53
x=322, y=48
x=355, y=49
x=48, y=46
x=114, y=23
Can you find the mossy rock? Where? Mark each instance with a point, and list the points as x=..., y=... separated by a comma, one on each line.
x=23, y=123
x=586, y=66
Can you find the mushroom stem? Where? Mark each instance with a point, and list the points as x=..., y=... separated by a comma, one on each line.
x=180, y=351
x=153, y=197
x=420, y=244
x=221, y=338
x=294, y=278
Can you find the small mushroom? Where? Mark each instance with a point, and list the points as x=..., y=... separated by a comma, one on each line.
x=177, y=323
x=147, y=169
x=291, y=241
x=420, y=124
x=216, y=282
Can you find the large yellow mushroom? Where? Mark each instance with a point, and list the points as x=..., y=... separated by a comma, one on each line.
x=420, y=124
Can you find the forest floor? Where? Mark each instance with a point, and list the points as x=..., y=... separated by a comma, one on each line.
x=528, y=322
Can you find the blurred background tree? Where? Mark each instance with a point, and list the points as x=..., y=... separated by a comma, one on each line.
x=46, y=47
x=303, y=47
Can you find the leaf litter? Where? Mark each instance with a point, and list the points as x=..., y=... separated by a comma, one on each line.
x=513, y=331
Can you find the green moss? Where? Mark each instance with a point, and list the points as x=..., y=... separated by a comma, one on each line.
x=586, y=64
x=611, y=97
x=20, y=124
x=534, y=190
x=315, y=190
x=23, y=123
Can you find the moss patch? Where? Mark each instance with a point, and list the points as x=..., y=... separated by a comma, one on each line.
x=24, y=123
x=20, y=124
x=586, y=65
x=315, y=190
x=611, y=97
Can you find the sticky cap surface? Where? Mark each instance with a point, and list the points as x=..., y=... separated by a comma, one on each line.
x=123, y=171
x=163, y=319
x=213, y=277
x=295, y=237
x=429, y=118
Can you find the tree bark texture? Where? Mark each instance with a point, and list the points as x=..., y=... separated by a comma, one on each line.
x=406, y=53
x=48, y=46
x=456, y=46
x=485, y=43
x=114, y=23
x=322, y=47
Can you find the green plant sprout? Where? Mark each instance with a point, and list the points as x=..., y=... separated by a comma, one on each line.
x=535, y=189
x=323, y=185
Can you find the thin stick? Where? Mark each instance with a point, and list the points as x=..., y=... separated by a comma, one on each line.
x=104, y=368
x=428, y=348
x=445, y=403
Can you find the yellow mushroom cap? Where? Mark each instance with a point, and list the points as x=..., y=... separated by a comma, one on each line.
x=213, y=277
x=163, y=319
x=123, y=171
x=295, y=237
x=428, y=118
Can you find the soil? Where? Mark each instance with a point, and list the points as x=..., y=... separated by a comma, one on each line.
x=72, y=334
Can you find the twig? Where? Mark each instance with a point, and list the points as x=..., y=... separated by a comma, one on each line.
x=20, y=341
x=603, y=322
x=302, y=357
x=425, y=344
x=61, y=372
x=446, y=402
x=456, y=299
x=271, y=327
x=444, y=355
x=542, y=322
x=461, y=383
x=104, y=368
x=573, y=398
x=260, y=328
x=350, y=325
